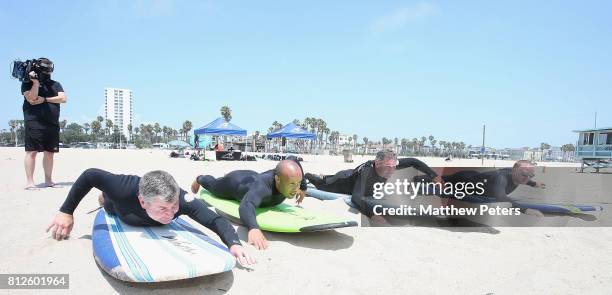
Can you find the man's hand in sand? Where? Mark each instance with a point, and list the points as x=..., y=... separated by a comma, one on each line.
x=242, y=256
x=534, y=212
x=540, y=185
x=61, y=226
x=299, y=197
x=257, y=239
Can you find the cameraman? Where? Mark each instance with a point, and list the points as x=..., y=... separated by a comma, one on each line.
x=41, y=110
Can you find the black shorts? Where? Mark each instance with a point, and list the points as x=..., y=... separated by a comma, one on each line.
x=41, y=137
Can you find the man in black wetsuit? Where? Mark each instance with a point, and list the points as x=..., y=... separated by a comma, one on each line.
x=254, y=190
x=153, y=200
x=359, y=182
x=498, y=184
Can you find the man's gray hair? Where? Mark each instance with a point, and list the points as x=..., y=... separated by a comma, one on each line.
x=386, y=154
x=159, y=185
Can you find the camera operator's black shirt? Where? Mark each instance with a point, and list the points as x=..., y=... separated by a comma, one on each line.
x=45, y=112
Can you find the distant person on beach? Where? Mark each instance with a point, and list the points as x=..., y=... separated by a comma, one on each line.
x=255, y=190
x=359, y=182
x=196, y=143
x=41, y=112
x=153, y=200
x=219, y=147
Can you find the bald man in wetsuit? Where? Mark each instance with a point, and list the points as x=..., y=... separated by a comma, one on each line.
x=255, y=190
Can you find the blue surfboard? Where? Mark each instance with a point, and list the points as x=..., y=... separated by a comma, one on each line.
x=154, y=254
x=559, y=208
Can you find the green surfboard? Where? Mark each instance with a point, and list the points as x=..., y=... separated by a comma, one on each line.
x=280, y=218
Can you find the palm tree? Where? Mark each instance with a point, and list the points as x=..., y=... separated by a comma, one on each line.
x=403, y=144
x=324, y=136
x=395, y=142
x=165, y=131
x=187, y=125
x=157, y=129
x=567, y=148
x=96, y=126
x=461, y=147
x=333, y=137
x=543, y=146
x=226, y=113
x=62, y=125
x=443, y=146
x=13, y=125
x=86, y=127
x=321, y=125
x=365, y=144
x=130, y=128
x=422, y=142
x=276, y=125
x=109, y=126
x=355, y=140
x=255, y=138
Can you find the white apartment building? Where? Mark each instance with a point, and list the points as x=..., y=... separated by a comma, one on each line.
x=118, y=108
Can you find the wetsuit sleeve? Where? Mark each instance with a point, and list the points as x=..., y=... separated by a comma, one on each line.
x=416, y=164
x=359, y=190
x=251, y=200
x=303, y=184
x=195, y=209
x=532, y=183
x=91, y=178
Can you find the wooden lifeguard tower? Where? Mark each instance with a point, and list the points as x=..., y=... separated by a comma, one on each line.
x=594, y=148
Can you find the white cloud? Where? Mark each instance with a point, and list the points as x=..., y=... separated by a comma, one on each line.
x=403, y=16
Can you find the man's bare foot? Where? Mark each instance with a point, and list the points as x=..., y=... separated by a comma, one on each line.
x=30, y=186
x=195, y=186
x=49, y=183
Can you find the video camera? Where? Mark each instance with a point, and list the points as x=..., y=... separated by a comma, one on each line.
x=21, y=69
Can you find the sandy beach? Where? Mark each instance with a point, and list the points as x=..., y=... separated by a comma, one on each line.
x=358, y=260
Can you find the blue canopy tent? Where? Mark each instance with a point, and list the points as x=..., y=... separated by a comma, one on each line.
x=220, y=127
x=292, y=131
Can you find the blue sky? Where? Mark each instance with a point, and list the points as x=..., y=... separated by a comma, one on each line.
x=532, y=71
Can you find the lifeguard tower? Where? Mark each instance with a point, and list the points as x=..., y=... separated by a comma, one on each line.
x=594, y=148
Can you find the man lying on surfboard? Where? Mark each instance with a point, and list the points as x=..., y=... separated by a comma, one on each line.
x=499, y=183
x=153, y=200
x=255, y=190
x=359, y=182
